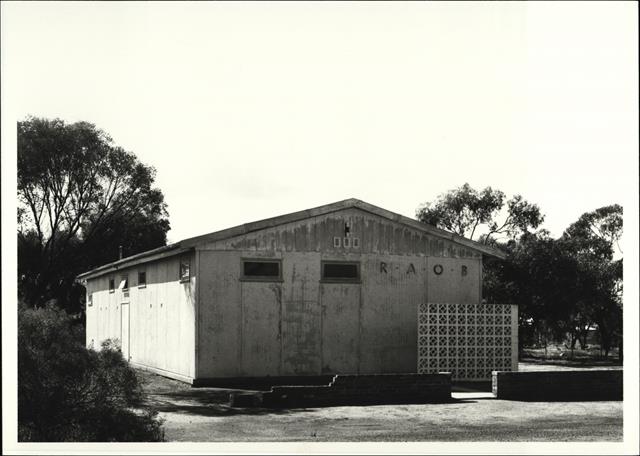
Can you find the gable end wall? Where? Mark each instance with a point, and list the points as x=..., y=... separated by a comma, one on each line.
x=301, y=326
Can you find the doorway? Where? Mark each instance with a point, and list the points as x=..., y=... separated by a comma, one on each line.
x=340, y=304
x=124, y=331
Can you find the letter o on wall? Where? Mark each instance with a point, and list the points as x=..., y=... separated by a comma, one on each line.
x=438, y=269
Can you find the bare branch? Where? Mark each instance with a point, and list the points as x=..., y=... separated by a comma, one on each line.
x=474, y=228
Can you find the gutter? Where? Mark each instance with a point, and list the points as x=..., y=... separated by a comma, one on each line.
x=143, y=257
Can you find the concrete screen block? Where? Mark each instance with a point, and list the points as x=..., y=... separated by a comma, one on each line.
x=468, y=340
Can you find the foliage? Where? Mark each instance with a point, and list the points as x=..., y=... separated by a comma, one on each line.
x=599, y=230
x=69, y=393
x=595, y=237
x=563, y=286
x=540, y=276
x=464, y=210
x=80, y=197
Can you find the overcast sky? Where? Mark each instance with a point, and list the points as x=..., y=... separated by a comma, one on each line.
x=253, y=110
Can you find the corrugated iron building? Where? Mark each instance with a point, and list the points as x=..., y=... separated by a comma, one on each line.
x=333, y=289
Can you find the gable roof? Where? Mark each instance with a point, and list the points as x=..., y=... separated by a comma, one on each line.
x=188, y=244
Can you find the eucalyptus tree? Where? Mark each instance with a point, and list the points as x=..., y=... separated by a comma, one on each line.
x=79, y=198
x=486, y=213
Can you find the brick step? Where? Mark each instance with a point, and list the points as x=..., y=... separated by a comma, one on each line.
x=245, y=399
x=262, y=383
x=353, y=390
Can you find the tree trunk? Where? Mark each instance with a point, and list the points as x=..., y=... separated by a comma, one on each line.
x=574, y=339
x=605, y=338
x=583, y=338
x=620, y=349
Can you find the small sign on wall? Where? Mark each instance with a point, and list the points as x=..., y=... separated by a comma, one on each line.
x=346, y=242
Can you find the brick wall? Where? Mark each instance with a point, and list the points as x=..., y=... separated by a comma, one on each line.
x=360, y=390
x=585, y=385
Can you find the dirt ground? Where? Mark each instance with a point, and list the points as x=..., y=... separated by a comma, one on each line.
x=536, y=365
x=202, y=415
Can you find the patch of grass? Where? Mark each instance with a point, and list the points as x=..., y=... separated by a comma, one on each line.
x=559, y=354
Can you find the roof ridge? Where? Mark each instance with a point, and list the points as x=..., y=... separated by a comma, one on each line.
x=270, y=222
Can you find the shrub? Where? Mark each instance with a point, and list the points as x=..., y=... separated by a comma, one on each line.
x=67, y=392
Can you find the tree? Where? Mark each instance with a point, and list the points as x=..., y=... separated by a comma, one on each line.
x=80, y=197
x=540, y=275
x=464, y=210
x=67, y=392
x=595, y=236
x=600, y=229
x=563, y=286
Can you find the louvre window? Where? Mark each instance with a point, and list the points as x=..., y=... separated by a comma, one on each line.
x=340, y=271
x=261, y=270
x=124, y=286
x=184, y=270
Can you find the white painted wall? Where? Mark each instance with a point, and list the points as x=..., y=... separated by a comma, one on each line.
x=162, y=316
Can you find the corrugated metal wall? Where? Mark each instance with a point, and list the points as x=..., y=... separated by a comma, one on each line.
x=298, y=325
x=316, y=234
x=161, y=316
x=301, y=326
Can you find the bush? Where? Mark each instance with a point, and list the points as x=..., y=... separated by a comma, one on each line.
x=67, y=392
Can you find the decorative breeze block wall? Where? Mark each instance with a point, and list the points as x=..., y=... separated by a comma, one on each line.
x=468, y=340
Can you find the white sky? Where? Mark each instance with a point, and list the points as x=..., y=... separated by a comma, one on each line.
x=251, y=110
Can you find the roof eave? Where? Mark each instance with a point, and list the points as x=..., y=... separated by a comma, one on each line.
x=190, y=243
x=485, y=249
x=334, y=207
x=143, y=257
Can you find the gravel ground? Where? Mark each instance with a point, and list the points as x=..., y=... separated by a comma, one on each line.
x=201, y=415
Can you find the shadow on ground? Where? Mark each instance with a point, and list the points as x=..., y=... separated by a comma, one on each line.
x=215, y=404
x=212, y=404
